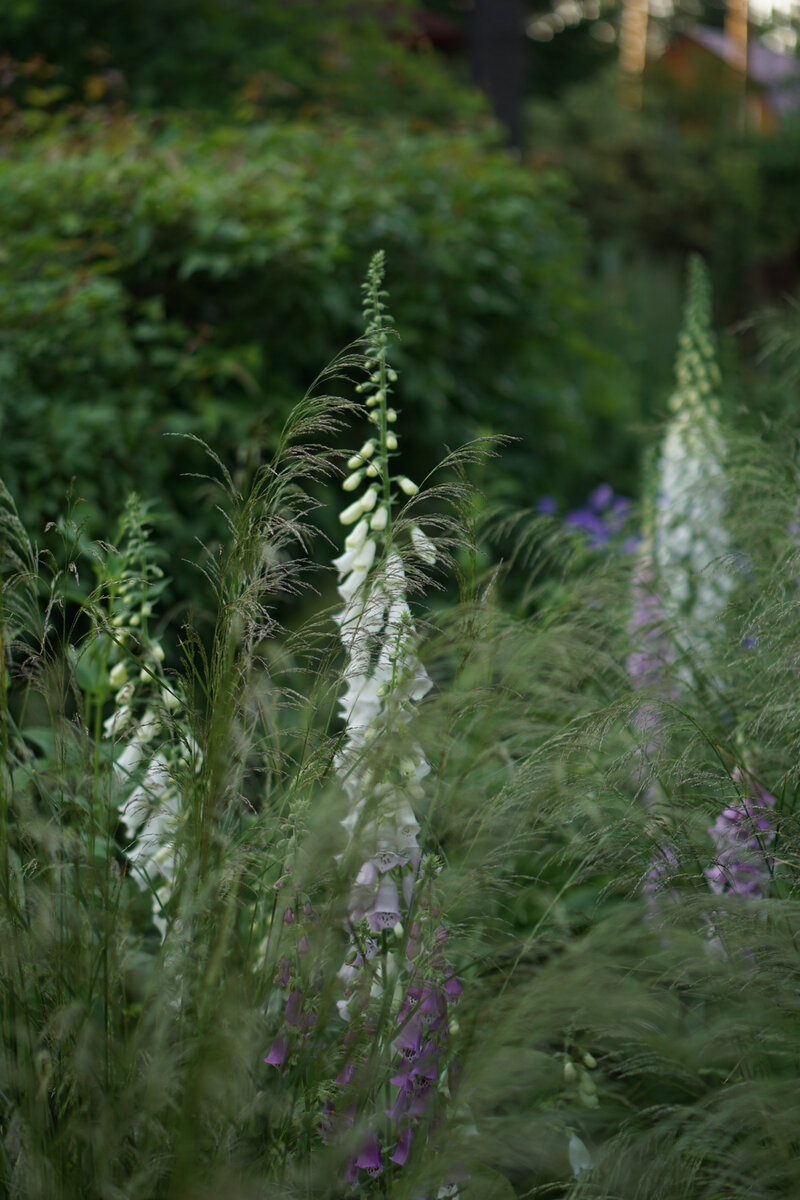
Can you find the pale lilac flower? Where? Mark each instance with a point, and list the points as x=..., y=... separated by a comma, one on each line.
x=742, y=835
x=370, y=1157
x=278, y=1053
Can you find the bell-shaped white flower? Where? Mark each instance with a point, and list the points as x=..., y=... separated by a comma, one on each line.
x=423, y=545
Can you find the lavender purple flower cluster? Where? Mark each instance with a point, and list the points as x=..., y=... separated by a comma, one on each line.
x=742, y=835
x=602, y=518
x=298, y=1018
x=419, y=1047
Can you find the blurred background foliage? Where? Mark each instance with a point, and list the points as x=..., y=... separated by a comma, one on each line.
x=191, y=192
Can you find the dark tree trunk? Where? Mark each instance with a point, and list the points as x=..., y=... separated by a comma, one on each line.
x=498, y=59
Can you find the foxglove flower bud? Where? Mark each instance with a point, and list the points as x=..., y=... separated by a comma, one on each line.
x=351, y=483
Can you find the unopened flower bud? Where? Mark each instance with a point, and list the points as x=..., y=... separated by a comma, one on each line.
x=119, y=675
x=391, y=416
x=351, y=483
x=379, y=518
x=391, y=441
x=570, y=1074
x=372, y=470
x=398, y=930
x=352, y=512
x=587, y=1085
x=408, y=486
x=590, y=1061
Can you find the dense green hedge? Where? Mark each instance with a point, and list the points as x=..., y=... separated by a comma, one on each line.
x=167, y=280
x=238, y=56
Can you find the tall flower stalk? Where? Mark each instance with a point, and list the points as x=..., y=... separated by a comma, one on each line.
x=682, y=586
x=690, y=541
x=147, y=761
x=397, y=987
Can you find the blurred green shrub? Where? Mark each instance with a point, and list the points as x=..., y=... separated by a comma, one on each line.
x=270, y=57
x=665, y=180
x=169, y=280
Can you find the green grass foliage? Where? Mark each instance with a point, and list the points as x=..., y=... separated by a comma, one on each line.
x=659, y=1028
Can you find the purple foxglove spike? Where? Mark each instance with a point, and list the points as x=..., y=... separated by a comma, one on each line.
x=370, y=1157
x=277, y=1055
x=308, y=909
x=739, y=877
x=283, y=974
x=409, y=1039
x=328, y=1113
x=428, y=1062
x=431, y=1008
x=741, y=835
x=294, y=1006
x=418, y=1104
x=404, y=1079
x=400, y=1106
x=452, y=987
x=349, y=1114
x=288, y=917
x=302, y=945
x=403, y=1147
x=346, y=1074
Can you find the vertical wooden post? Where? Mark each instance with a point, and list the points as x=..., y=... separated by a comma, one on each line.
x=633, y=51
x=736, y=31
